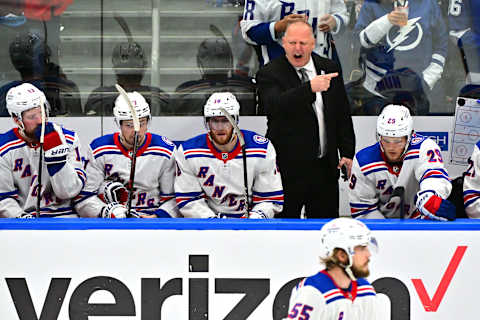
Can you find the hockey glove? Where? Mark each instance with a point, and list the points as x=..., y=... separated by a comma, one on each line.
x=257, y=214
x=434, y=207
x=114, y=192
x=114, y=210
x=27, y=215
x=55, y=150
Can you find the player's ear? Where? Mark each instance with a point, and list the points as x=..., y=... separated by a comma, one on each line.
x=341, y=256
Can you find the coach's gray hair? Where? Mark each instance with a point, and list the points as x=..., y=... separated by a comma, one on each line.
x=298, y=22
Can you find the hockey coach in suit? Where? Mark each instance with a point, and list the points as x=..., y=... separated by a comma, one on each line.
x=309, y=124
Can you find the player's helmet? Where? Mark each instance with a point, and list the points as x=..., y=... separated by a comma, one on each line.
x=29, y=53
x=128, y=58
x=122, y=111
x=395, y=121
x=25, y=97
x=218, y=100
x=346, y=234
x=214, y=56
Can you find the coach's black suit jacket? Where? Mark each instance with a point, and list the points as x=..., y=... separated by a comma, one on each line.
x=292, y=123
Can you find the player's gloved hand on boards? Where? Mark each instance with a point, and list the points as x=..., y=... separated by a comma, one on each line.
x=434, y=207
x=114, y=192
x=27, y=215
x=55, y=150
x=257, y=214
x=114, y=210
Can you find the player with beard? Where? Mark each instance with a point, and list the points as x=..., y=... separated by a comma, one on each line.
x=400, y=160
x=340, y=291
x=210, y=177
x=62, y=169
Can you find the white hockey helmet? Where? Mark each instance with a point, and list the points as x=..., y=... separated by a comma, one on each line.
x=346, y=234
x=25, y=97
x=218, y=100
x=122, y=111
x=395, y=121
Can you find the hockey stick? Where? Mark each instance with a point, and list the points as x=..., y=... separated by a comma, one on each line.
x=239, y=134
x=400, y=192
x=136, y=127
x=40, y=159
x=123, y=24
x=217, y=32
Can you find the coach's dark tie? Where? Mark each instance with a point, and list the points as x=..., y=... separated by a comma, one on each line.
x=303, y=75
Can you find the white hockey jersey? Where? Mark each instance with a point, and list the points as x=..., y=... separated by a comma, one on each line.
x=154, y=175
x=471, y=184
x=318, y=298
x=259, y=17
x=19, y=162
x=374, y=180
x=210, y=183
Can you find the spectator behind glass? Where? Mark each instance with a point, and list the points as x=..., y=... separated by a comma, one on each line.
x=129, y=63
x=417, y=38
x=265, y=21
x=464, y=26
x=215, y=63
x=30, y=56
x=371, y=92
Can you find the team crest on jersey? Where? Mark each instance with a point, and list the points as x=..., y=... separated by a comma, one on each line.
x=259, y=139
x=416, y=140
x=403, y=39
x=167, y=141
x=224, y=156
x=396, y=169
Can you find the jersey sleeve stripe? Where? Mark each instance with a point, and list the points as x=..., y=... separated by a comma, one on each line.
x=11, y=146
x=10, y=194
x=360, y=209
x=470, y=196
x=183, y=198
x=434, y=173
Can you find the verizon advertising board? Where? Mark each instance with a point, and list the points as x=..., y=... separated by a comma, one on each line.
x=194, y=269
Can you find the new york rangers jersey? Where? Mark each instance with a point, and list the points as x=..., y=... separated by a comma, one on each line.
x=210, y=183
x=19, y=162
x=422, y=41
x=471, y=184
x=259, y=17
x=318, y=298
x=154, y=175
x=374, y=180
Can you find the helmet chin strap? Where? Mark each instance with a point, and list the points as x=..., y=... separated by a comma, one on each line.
x=349, y=272
x=346, y=267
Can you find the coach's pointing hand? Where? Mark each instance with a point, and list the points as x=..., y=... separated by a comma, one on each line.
x=322, y=82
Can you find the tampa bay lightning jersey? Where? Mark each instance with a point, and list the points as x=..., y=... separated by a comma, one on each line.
x=415, y=44
x=154, y=175
x=19, y=161
x=471, y=184
x=259, y=17
x=210, y=183
x=463, y=16
x=319, y=298
x=374, y=180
